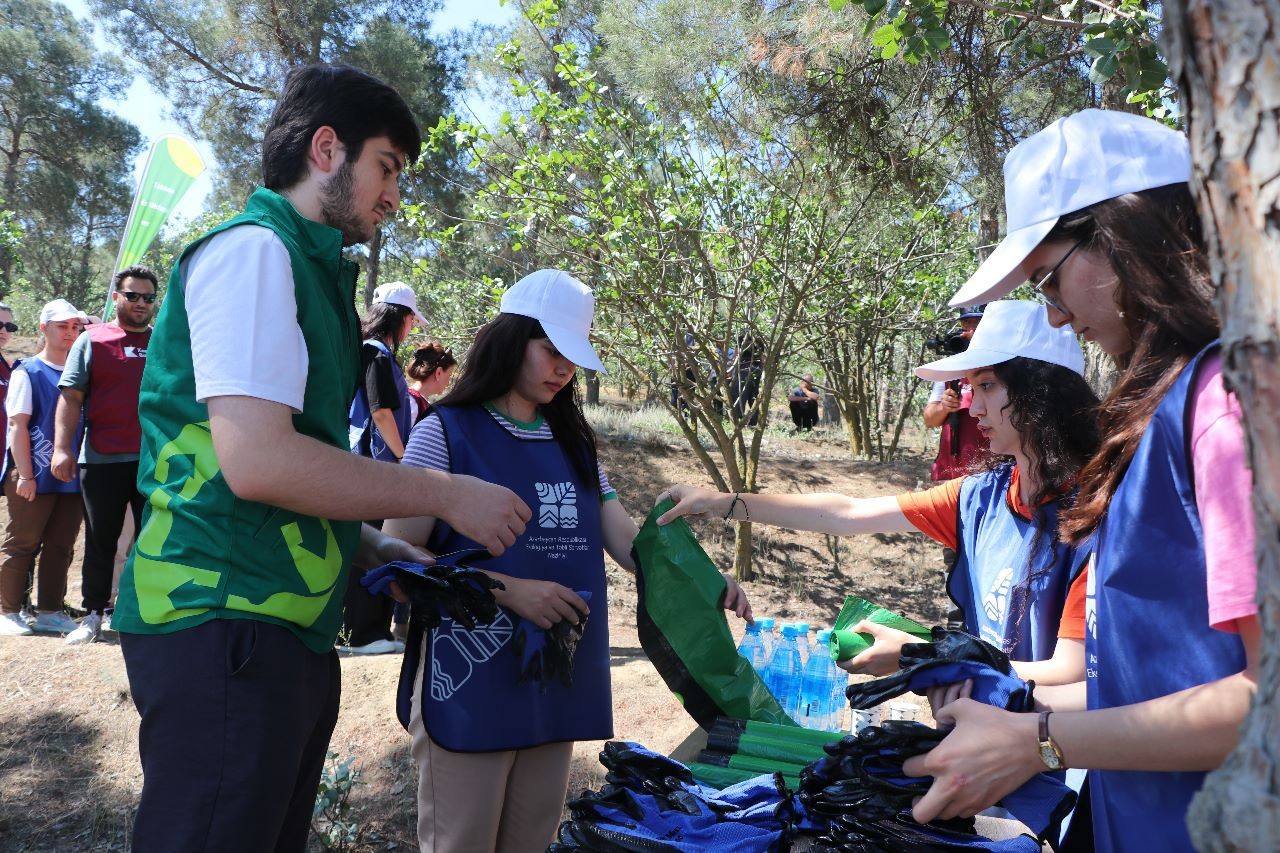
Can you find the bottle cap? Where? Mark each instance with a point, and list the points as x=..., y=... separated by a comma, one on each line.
x=789, y=631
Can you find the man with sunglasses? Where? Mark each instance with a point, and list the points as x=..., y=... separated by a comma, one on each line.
x=102, y=378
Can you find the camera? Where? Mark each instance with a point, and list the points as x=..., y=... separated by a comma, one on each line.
x=951, y=343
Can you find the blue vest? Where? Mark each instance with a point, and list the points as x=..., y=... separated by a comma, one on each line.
x=989, y=577
x=1147, y=617
x=44, y=404
x=470, y=699
x=365, y=438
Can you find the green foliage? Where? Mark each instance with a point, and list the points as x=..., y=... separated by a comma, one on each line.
x=1119, y=37
x=335, y=821
x=66, y=162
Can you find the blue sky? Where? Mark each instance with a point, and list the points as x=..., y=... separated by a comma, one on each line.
x=150, y=110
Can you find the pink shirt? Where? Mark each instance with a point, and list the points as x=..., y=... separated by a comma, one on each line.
x=1224, y=486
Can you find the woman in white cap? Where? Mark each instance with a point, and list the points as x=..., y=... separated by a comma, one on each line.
x=1102, y=223
x=380, y=418
x=493, y=748
x=44, y=512
x=1011, y=578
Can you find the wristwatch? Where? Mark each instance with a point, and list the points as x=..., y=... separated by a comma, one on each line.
x=1050, y=754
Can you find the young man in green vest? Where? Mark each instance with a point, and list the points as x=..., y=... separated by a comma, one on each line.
x=231, y=600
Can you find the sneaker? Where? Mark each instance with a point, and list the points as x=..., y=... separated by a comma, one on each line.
x=88, y=631
x=56, y=622
x=13, y=625
x=377, y=647
x=106, y=621
x=28, y=615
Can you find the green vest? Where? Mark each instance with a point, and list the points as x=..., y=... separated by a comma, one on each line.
x=203, y=553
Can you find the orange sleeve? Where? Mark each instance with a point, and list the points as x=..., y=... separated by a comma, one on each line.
x=933, y=511
x=1072, y=625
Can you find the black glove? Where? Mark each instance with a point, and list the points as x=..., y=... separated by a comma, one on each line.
x=546, y=655
x=955, y=646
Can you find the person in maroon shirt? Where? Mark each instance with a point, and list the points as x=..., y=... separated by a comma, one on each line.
x=7, y=328
x=102, y=379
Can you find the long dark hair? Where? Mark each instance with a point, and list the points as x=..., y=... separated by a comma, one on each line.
x=489, y=370
x=1153, y=242
x=1054, y=411
x=385, y=320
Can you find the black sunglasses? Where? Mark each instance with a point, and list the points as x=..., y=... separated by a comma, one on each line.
x=130, y=296
x=9, y=327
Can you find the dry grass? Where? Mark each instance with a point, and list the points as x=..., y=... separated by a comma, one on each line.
x=69, y=772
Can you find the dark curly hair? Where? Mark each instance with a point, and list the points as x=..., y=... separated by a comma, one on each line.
x=1054, y=411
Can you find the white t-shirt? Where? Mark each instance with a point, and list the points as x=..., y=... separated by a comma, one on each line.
x=245, y=337
x=18, y=401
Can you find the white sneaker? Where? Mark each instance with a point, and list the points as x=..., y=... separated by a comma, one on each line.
x=13, y=625
x=56, y=622
x=377, y=647
x=106, y=622
x=88, y=631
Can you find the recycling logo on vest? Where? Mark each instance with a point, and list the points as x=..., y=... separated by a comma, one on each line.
x=557, y=505
x=996, y=605
x=456, y=652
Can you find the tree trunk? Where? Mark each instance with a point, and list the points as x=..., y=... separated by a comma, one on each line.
x=593, y=388
x=373, y=267
x=1226, y=60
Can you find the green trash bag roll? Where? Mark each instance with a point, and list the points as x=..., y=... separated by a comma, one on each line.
x=682, y=627
x=846, y=643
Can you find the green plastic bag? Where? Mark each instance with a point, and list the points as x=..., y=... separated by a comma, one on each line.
x=682, y=627
x=845, y=643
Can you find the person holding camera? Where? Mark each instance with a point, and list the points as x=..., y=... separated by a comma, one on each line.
x=960, y=443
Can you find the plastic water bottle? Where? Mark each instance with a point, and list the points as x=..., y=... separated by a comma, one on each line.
x=816, y=689
x=785, y=671
x=839, y=703
x=752, y=648
x=802, y=641
x=767, y=635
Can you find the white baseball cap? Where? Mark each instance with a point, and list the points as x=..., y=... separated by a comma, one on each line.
x=61, y=309
x=1077, y=161
x=1010, y=328
x=564, y=306
x=399, y=293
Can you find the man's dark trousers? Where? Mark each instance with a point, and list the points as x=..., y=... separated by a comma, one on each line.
x=236, y=720
x=108, y=489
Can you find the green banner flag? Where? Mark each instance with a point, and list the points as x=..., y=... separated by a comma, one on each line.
x=172, y=166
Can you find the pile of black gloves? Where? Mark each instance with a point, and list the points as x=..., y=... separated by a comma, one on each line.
x=449, y=586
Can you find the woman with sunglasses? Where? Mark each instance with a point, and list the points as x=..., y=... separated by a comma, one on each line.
x=1012, y=578
x=1102, y=220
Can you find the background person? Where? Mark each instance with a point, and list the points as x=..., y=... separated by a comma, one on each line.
x=803, y=401
x=960, y=444
x=99, y=388
x=1101, y=219
x=230, y=602
x=493, y=754
x=428, y=373
x=7, y=329
x=44, y=512
x=381, y=416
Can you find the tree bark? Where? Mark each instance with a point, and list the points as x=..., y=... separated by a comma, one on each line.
x=1225, y=58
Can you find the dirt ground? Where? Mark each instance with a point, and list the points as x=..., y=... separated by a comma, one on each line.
x=69, y=771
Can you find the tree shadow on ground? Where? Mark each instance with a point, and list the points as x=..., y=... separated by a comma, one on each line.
x=54, y=795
